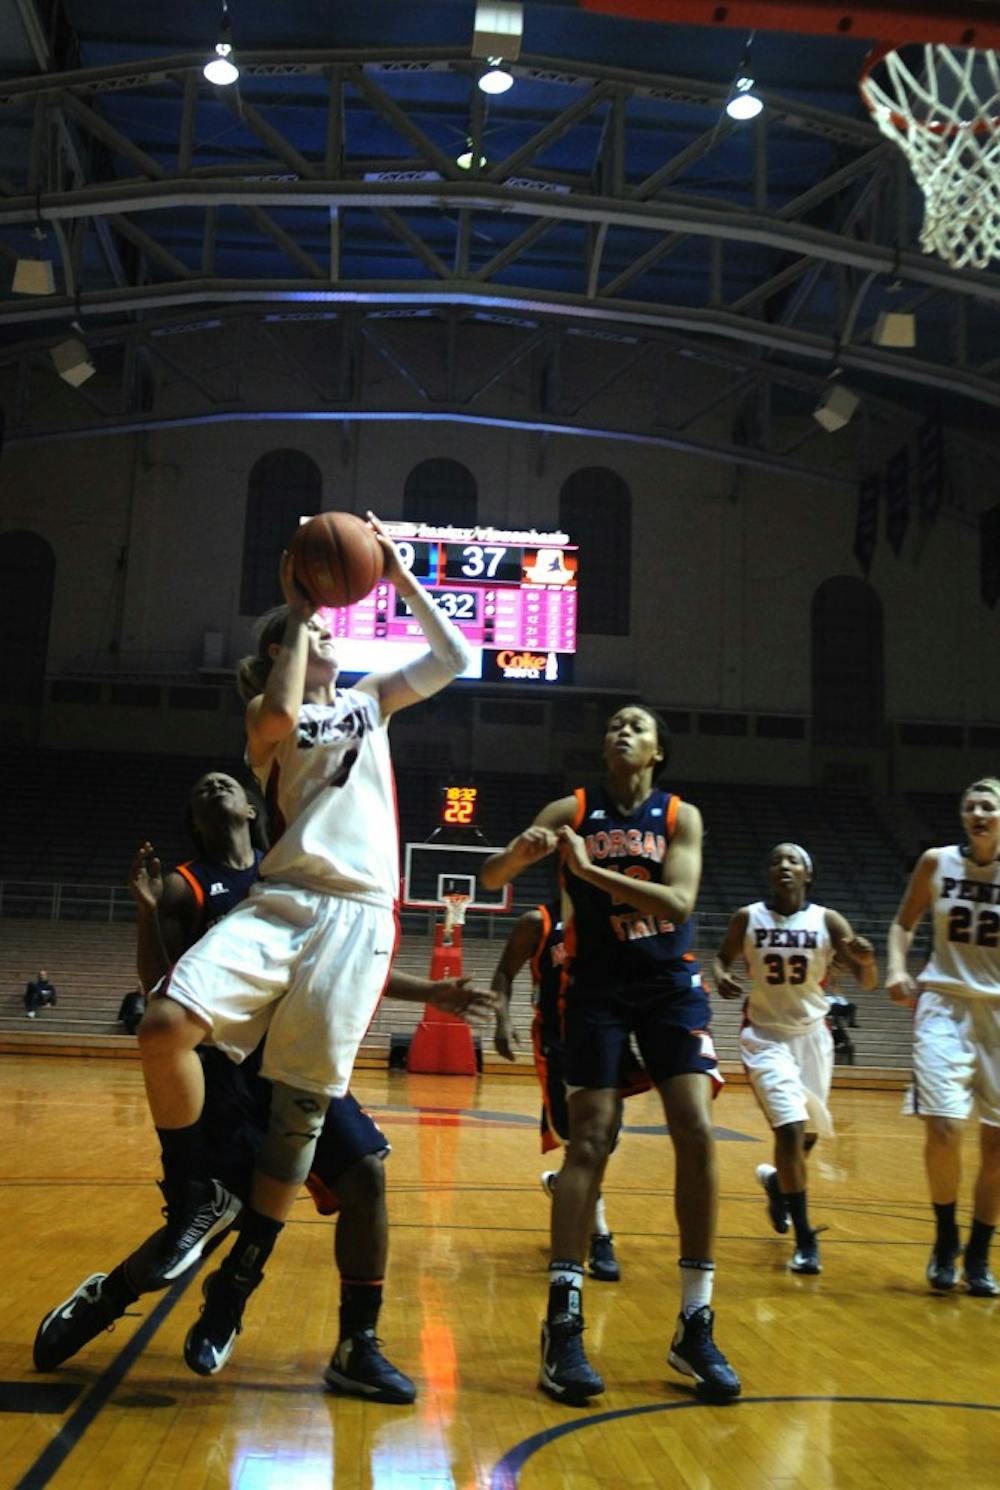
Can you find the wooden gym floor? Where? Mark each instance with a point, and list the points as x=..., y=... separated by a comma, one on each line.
x=858, y=1378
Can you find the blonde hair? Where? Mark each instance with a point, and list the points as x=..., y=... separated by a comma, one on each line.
x=984, y=784
x=253, y=672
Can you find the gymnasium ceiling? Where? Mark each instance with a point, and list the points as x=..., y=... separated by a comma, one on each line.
x=627, y=262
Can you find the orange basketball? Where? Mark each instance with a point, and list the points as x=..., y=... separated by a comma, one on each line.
x=337, y=558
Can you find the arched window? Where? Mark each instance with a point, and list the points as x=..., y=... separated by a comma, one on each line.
x=27, y=575
x=595, y=509
x=440, y=491
x=284, y=485
x=848, y=673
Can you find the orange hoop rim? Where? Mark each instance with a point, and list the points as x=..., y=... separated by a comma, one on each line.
x=904, y=122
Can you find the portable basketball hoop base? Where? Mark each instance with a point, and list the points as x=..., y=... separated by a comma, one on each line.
x=442, y=1043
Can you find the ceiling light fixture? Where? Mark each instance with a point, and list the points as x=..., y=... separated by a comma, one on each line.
x=465, y=159
x=496, y=79
x=743, y=103
x=220, y=68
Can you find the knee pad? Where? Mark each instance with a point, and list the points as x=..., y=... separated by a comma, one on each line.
x=293, y=1128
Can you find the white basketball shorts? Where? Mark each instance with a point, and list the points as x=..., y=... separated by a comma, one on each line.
x=304, y=969
x=791, y=1074
x=956, y=1057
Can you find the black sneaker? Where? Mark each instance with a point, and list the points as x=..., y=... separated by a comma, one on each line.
x=978, y=1279
x=566, y=1373
x=942, y=1273
x=203, y=1213
x=695, y=1353
x=75, y=1321
x=359, y=1368
x=602, y=1262
x=548, y=1179
x=211, y=1338
x=806, y=1256
x=777, y=1211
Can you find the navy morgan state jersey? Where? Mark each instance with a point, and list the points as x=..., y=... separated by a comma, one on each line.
x=613, y=946
x=217, y=887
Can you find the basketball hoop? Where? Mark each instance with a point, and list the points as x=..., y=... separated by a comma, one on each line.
x=945, y=117
x=454, y=911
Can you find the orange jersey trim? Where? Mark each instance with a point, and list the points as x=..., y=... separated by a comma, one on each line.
x=199, y=894
x=536, y=956
x=581, y=807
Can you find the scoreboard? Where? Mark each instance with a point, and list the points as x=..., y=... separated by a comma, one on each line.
x=511, y=593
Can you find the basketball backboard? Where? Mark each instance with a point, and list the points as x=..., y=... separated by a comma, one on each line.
x=433, y=870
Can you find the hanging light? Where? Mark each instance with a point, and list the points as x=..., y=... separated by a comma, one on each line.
x=220, y=68
x=465, y=159
x=496, y=78
x=743, y=103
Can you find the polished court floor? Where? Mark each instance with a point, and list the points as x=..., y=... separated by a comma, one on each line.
x=858, y=1378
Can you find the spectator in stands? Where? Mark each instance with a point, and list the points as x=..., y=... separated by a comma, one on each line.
x=537, y=939
x=631, y=861
x=38, y=994
x=787, y=944
x=131, y=1010
x=956, y=1028
x=347, y=1174
x=305, y=959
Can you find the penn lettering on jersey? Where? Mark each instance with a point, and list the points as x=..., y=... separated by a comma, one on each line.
x=972, y=890
x=784, y=936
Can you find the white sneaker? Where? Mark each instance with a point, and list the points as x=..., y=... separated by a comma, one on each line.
x=548, y=1180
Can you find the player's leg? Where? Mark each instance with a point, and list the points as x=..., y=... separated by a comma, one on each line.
x=985, y=1213
x=683, y=1064
x=349, y=1172
x=944, y=1064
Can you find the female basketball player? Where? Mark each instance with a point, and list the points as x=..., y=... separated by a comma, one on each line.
x=305, y=957
x=956, y=1027
x=787, y=944
x=631, y=858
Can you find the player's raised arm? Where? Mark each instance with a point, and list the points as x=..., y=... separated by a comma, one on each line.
x=528, y=847
x=448, y=652
x=273, y=711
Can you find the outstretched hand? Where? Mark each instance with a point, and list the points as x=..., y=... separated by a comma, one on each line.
x=394, y=570
x=461, y=996
x=505, y=1036
x=145, y=879
x=296, y=596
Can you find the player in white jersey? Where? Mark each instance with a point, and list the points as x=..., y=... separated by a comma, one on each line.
x=787, y=944
x=956, y=1028
x=305, y=957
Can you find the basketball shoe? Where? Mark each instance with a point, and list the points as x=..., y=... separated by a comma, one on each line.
x=602, y=1263
x=211, y=1338
x=694, y=1353
x=767, y=1177
x=548, y=1181
x=979, y=1280
x=805, y=1258
x=72, y=1323
x=199, y=1214
x=566, y=1374
x=942, y=1273
x=359, y=1369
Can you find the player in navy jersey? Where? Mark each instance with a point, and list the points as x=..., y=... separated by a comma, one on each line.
x=788, y=944
x=631, y=862
x=956, y=1028
x=347, y=1175
x=305, y=958
x=537, y=939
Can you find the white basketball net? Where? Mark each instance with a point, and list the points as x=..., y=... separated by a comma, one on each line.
x=454, y=910
x=947, y=123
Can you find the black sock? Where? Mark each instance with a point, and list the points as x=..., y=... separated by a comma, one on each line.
x=183, y=1153
x=360, y=1303
x=947, y=1228
x=243, y=1268
x=977, y=1249
x=796, y=1207
x=117, y=1291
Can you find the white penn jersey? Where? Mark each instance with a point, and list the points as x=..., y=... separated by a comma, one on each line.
x=966, y=919
x=331, y=801
x=787, y=958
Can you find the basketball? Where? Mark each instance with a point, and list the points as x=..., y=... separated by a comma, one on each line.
x=336, y=558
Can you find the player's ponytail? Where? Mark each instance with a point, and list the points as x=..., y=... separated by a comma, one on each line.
x=253, y=672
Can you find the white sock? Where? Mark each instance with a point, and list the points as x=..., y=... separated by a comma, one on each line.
x=697, y=1278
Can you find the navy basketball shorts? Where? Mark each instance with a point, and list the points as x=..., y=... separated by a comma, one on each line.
x=671, y=1029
